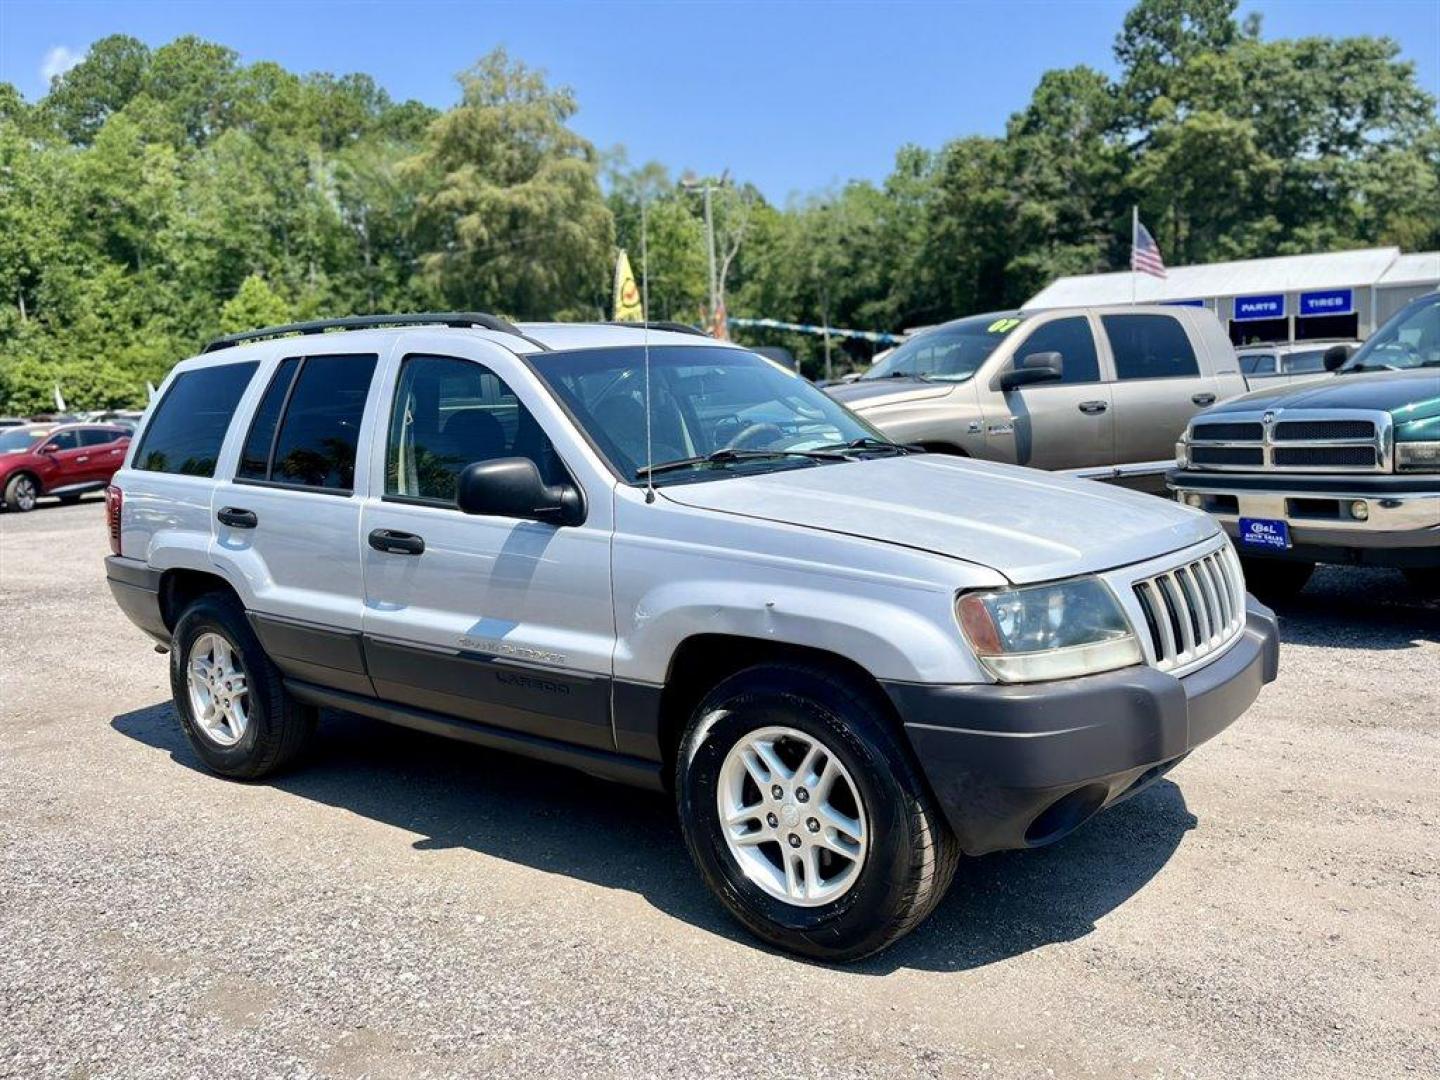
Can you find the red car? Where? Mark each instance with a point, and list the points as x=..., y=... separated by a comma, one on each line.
x=65, y=461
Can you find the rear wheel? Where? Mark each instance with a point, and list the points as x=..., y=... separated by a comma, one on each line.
x=1276, y=580
x=21, y=493
x=807, y=816
x=235, y=710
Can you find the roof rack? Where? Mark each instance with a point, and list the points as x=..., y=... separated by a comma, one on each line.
x=457, y=319
x=673, y=327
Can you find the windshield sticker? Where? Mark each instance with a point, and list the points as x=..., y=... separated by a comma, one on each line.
x=1002, y=326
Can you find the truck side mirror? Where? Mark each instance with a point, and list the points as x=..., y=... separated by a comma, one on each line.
x=1336, y=355
x=1036, y=368
x=512, y=487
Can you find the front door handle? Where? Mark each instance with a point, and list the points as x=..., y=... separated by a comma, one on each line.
x=397, y=543
x=83, y=457
x=1203, y=399
x=237, y=518
x=1093, y=408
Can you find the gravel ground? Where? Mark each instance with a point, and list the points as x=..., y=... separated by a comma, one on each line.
x=404, y=906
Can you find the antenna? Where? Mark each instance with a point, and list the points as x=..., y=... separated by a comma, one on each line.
x=645, y=330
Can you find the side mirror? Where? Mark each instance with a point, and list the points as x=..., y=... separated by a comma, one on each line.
x=512, y=487
x=49, y=448
x=1336, y=355
x=1036, y=368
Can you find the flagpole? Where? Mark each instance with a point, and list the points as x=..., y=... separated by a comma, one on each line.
x=1134, y=232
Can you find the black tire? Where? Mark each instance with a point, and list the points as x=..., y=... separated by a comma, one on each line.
x=912, y=854
x=1424, y=580
x=1276, y=580
x=21, y=493
x=279, y=727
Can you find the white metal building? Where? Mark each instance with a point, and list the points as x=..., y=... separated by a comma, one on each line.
x=1341, y=294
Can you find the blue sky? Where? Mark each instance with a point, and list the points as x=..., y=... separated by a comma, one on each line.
x=796, y=97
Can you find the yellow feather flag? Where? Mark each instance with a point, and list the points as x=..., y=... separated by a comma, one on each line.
x=628, y=307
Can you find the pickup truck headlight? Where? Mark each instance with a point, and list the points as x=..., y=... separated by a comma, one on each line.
x=1418, y=456
x=1182, y=454
x=1054, y=631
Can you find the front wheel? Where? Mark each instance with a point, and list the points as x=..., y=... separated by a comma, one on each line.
x=806, y=815
x=21, y=493
x=1276, y=580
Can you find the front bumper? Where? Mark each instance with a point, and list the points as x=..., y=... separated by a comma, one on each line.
x=1019, y=766
x=1401, y=526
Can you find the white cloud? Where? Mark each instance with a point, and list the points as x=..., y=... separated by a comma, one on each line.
x=59, y=60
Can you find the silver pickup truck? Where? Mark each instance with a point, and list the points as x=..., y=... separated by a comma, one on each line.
x=1101, y=392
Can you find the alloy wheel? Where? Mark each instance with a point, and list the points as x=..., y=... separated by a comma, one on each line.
x=792, y=816
x=219, y=694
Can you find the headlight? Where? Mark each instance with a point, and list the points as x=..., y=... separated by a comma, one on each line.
x=1182, y=454
x=1048, y=631
x=1417, y=456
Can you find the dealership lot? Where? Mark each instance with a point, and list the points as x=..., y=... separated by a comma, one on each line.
x=404, y=906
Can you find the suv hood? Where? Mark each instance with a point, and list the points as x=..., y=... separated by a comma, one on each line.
x=1026, y=524
x=1389, y=391
x=865, y=394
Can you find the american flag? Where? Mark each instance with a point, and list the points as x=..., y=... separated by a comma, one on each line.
x=1144, y=252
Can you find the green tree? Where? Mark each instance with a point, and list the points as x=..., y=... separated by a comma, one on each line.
x=254, y=307
x=511, y=206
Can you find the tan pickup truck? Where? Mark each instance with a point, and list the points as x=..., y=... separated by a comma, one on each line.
x=1102, y=392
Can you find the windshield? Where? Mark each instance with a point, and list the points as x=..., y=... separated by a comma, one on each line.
x=949, y=353
x=703, y=399
x=1410, y=339
x=18, y=439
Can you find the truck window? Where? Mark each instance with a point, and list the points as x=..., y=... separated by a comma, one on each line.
x=190, y=422
x=1072, y=339
x=1257, y=364
x=1149, y=347
x=320, y=430
x=1303, y=362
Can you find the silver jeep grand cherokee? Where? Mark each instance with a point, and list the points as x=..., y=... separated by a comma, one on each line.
x=668, y=561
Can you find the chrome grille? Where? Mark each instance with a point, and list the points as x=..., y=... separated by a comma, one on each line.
x=1306, y=440
x=1193, y=610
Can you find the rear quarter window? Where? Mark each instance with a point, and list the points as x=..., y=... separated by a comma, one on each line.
x=1149, y=347
x=189, y=425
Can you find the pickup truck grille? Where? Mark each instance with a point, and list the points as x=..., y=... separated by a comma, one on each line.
x=1319, y=430
x=1229, y=431
x=1324, y=456
x=1193, y=610
x=1309, y=440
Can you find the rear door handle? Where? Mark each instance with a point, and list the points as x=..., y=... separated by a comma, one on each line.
x=397, y=543
x=1203, y=399
x=237, y=518
x=1092, y=408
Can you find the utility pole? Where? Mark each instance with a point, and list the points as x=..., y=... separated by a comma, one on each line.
x=710, y=248
x=706, y=187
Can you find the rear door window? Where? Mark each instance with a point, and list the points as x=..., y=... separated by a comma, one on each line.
x=97, y=436
x=190, y=421
x=1075, y=343
x=1149, y=347
x=319, y=430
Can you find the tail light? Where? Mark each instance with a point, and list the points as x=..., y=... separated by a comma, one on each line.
x=114, y=500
